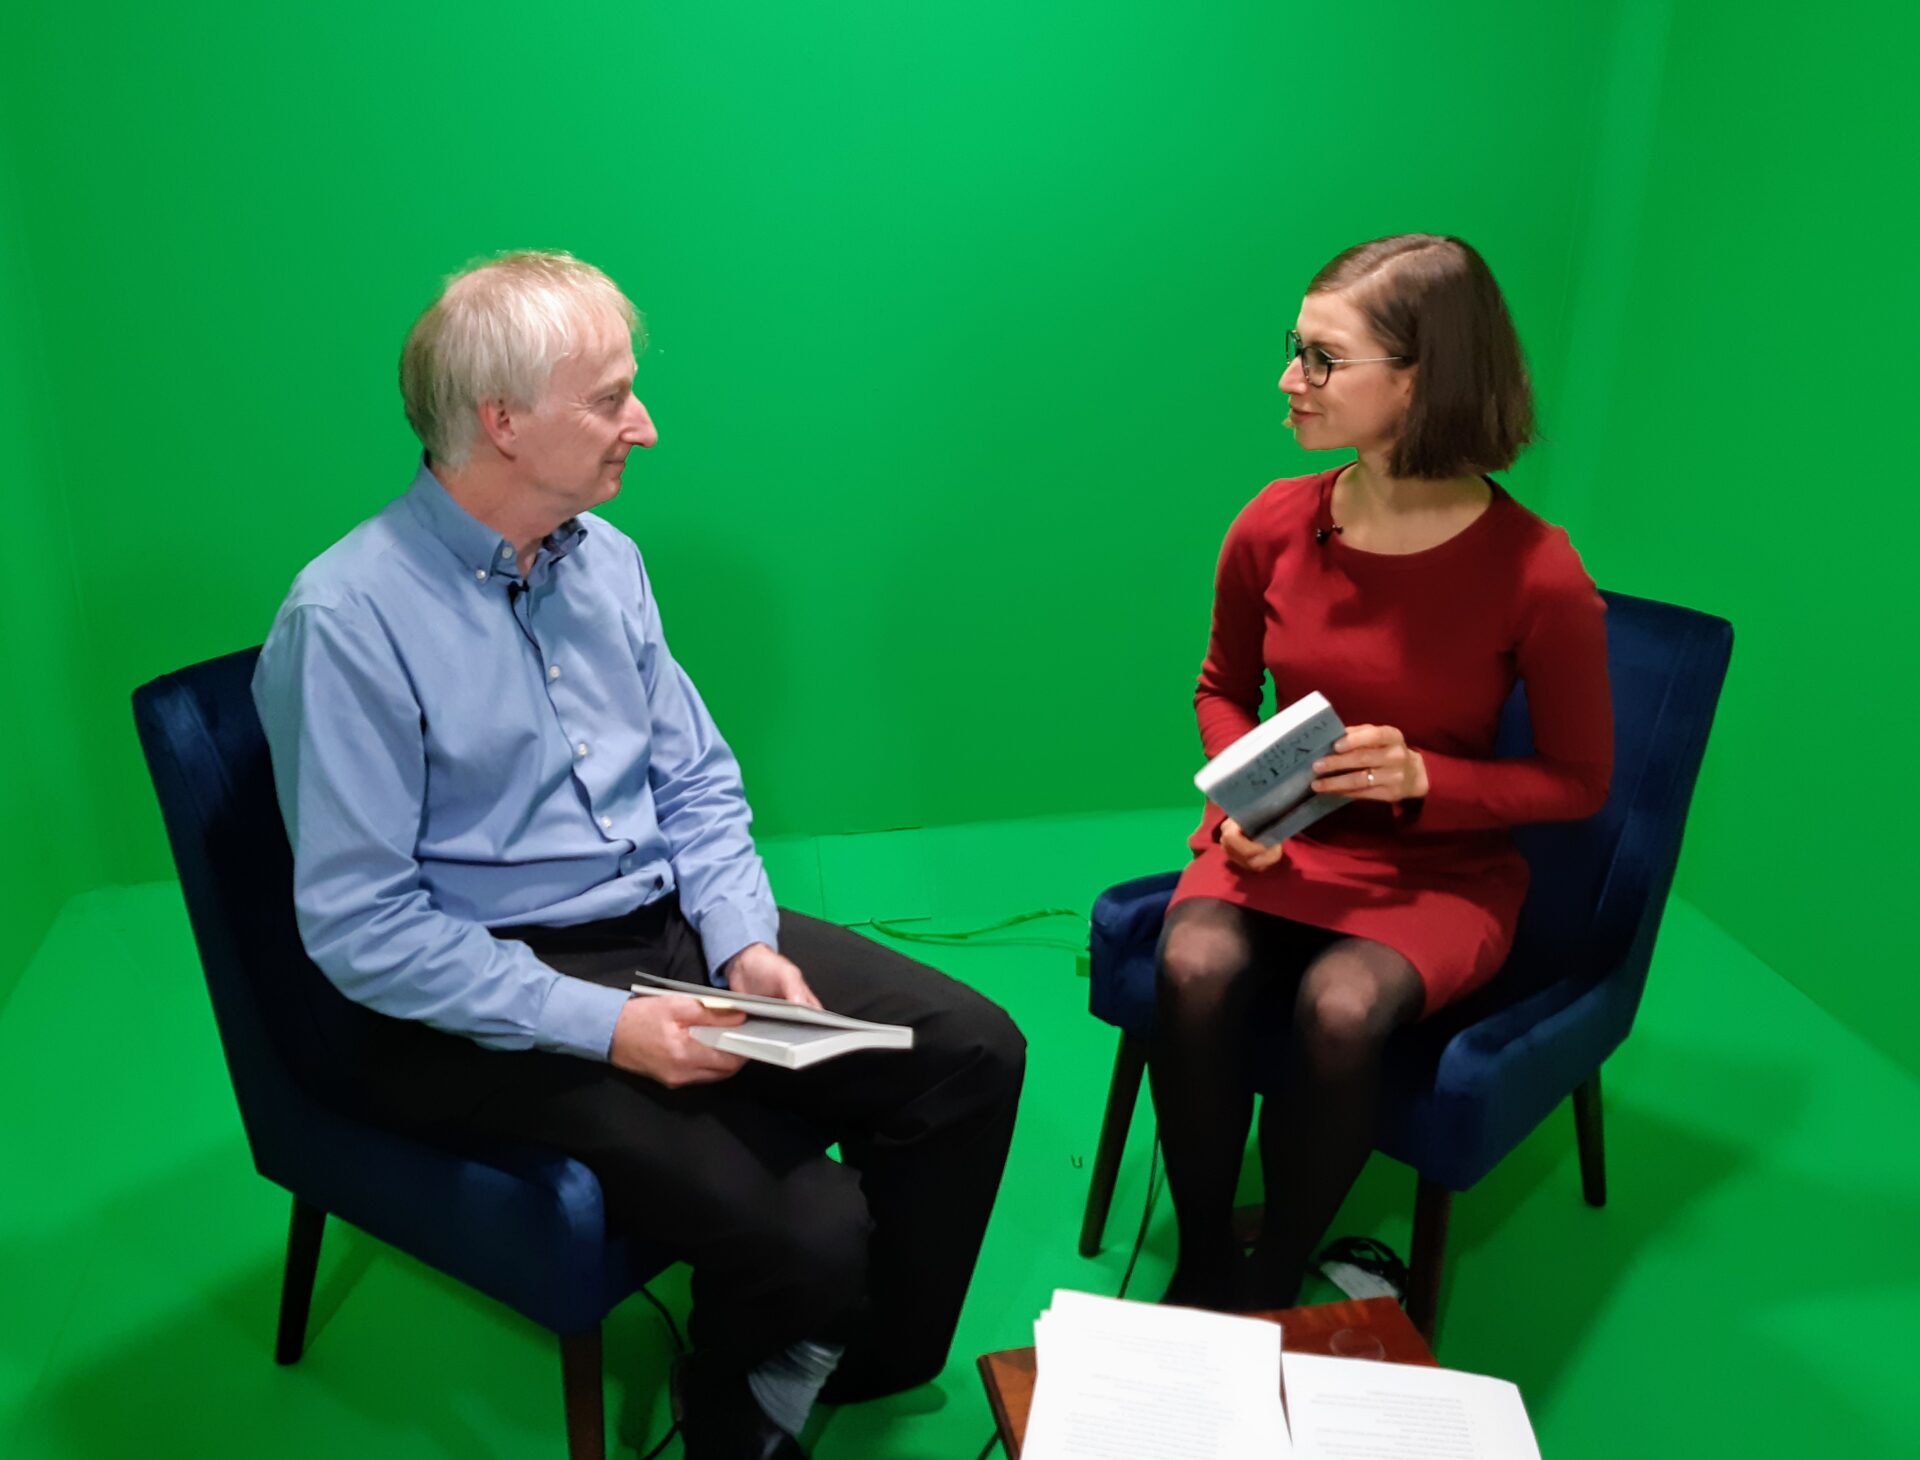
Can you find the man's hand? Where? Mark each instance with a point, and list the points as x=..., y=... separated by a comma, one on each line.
x=757, y=969
x=654, y=1038
x=1246, y=853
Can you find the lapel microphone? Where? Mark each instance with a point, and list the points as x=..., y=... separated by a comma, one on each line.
x=1321, y=534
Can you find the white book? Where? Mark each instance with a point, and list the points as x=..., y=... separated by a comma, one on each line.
x=1262, y=779
x=778, y=1031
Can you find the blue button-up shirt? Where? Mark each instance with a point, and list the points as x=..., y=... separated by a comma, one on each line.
x=458, y=748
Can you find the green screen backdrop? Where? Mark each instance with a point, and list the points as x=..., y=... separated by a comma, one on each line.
x=1742, y=376
x=964, y=326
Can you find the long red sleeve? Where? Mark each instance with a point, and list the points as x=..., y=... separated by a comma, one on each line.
x=1233, y=678
x=1562, y=656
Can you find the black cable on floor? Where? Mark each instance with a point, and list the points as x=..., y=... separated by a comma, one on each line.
x=679, y=1343
x=1139, y=1242
x=667, y=1439
x=1146, y=1216
x=679, y=1347
x=921, y=935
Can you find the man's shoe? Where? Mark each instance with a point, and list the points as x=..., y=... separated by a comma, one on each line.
x=719, y=1417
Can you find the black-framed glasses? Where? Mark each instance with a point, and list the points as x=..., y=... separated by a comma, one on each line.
x=1316, y=365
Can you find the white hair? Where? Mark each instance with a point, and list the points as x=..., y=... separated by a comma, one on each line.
x=495, y=333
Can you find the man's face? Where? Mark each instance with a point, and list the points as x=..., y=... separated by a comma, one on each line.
x=572, y=448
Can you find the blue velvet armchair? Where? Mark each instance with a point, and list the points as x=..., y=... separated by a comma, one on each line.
x=524, y=1226
x=1470, y=1084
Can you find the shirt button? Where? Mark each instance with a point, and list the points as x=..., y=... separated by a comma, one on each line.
x=505, y=552
x=553, y=671
x=580, y=750
x=606, y=823
x=481, y=574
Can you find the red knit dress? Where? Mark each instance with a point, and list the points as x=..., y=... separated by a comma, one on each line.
x=1429, y=642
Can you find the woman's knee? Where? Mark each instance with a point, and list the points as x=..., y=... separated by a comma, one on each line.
x=1348, y=1008
x=1201, y=954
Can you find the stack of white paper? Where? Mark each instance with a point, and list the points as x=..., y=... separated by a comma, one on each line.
x=1350, y=1409
x=1135, y=1381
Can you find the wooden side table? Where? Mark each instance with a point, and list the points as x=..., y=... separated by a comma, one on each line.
x=1009, y=1374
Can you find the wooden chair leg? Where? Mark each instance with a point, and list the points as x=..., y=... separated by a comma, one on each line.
x=1593, y=1146
x=1432, y=1206
x=1129, y=1062
x=580, y=1377
x=304, y=1231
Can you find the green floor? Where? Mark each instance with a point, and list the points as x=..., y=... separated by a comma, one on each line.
x=1752, y=1290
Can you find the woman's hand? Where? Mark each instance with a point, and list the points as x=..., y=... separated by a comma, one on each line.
x=1246, y=853
x=1372, y=763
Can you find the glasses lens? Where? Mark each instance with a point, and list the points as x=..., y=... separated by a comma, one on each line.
x=1307, y=355
x=1315, y=366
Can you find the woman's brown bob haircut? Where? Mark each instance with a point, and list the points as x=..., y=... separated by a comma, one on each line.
x=1434, y=300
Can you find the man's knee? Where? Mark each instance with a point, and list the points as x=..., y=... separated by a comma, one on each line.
x=980, y=1048
x=814, y=1239
x=785, y=1262
x=1002, y=1047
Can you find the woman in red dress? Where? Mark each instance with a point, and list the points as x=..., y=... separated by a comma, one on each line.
x=1412, y=591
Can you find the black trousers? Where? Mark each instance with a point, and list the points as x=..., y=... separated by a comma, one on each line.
x=875, y=1251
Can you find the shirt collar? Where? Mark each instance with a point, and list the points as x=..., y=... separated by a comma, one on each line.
x=477, y=547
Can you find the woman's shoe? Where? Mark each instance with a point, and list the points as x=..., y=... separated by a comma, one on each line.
x=1188, y=1289
x=1267, y=1283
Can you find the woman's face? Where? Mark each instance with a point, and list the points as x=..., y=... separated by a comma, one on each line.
x=1361, y=406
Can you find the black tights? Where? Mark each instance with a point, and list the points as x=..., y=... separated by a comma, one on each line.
x=1218, y=964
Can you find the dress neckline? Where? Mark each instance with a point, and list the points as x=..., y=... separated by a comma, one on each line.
x=1324, y=524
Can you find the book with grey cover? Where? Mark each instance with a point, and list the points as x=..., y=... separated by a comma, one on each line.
x=778, y=1031
x=1262, y=779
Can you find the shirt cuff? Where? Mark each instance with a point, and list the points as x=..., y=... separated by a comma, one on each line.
x=578, y=1018
x=726, y=929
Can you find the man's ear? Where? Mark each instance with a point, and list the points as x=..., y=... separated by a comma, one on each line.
x=497, y=424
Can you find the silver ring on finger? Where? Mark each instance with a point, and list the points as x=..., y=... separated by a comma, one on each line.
x=1369, y=775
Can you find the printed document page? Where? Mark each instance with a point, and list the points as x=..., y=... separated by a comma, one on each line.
x=1137, y=1381
x=1357, y=1409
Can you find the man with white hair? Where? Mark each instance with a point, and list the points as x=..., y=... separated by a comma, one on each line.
x=504, y=796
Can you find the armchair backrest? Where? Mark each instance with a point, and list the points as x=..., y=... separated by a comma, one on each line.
x=1600, y=885
x=287, y=1032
